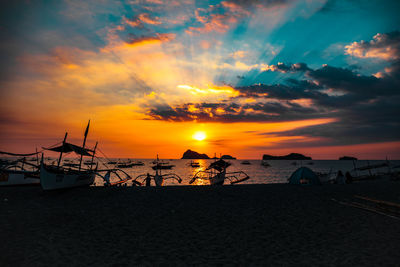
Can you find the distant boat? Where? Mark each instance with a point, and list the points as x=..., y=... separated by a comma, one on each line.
x=70, y=164
x=112, y=162
x=58, y=177
x=194, y=164
x=162, y=166
x=245, y=162
x=124, y=165
x=159, y=165
x=265, y=163
x=15, y=172
x=129, y=164
x=216, y=174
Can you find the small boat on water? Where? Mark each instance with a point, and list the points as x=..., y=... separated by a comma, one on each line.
x=265, y=163
x=216, y=174
x=129, y=164
x=59, y=177
x=19, y=171
x=160, y=165
x=124, y=165
x=245, y=162
x=194, y=164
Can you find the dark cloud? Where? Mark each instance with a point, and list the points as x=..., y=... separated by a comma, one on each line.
x=233, y=112
x=163, y=37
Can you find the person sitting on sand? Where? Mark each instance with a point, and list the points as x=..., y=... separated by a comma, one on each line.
x=148, y=180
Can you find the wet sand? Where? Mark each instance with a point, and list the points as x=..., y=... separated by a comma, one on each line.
x=247, y=225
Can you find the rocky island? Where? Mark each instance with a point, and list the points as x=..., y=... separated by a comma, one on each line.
x=291, y=156
x=347, y=158
x=227, y=157
x=190, y=154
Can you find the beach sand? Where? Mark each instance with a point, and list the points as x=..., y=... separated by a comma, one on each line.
x=247, y=225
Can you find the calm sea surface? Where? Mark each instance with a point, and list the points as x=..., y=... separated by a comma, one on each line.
x=278, y=172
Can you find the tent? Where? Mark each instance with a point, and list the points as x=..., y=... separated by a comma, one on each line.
x=304, y=175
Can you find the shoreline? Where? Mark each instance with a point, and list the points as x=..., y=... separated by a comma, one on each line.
x=262, y=224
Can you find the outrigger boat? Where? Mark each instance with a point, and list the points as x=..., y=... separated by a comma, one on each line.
x=359, y=173
x=194, y=164
x=216, y=174
x=159, y=165
x=15, y=172
x=129, y=164
x=58, y=177
x=158, y=178
x=121, y=181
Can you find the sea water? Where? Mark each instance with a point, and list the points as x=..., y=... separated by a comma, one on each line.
x=278, y=172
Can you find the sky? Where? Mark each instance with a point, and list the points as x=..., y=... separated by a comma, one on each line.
x=317, y=77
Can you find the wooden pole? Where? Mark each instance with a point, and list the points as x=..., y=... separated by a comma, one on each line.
x=94, y=151
x=37, y=157
x=62, y=149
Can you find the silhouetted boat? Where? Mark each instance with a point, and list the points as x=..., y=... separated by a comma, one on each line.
x=58, y=177
x=14, y=172
x=245, y=162
x=216, y=174
x=158, y=178
x=194, y=164
x=124, y=165
x=265, y=163
x=374, y=171
x=159, y=165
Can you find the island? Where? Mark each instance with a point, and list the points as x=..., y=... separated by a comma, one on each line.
x=291, y=156
x=190, y=154
x=347, y=158
x=227, y=157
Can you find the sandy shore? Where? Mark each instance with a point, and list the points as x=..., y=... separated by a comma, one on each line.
x=247, y=225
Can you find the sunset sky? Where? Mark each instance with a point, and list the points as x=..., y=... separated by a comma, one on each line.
x=317, y=77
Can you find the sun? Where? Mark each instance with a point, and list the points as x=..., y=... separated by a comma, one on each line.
x=199, y=136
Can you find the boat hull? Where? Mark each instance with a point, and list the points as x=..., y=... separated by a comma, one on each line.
x=217, y=179
x=11, y=178
x=158, y=180
x=52, y=178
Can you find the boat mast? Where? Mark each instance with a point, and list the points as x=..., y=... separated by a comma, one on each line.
x=62, y=149
x=83, y=146
x=94, y=151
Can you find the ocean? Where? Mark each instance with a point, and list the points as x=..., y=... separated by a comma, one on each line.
x=278, y=172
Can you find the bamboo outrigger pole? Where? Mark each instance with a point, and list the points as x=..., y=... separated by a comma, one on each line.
x=59, y=159
x=84, y=142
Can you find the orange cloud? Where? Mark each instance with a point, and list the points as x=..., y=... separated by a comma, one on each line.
x=383, y=46
x=142, y=18
x=215, y=23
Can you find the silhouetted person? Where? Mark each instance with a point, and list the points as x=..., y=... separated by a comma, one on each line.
x=349, y=178
x=148, y=180
x=340, y=179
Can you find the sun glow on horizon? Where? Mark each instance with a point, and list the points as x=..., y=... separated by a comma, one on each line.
x=199, y=136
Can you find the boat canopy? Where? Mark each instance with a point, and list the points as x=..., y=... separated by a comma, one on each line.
x=15, y=154
x=219, y=165
x=68, y=147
